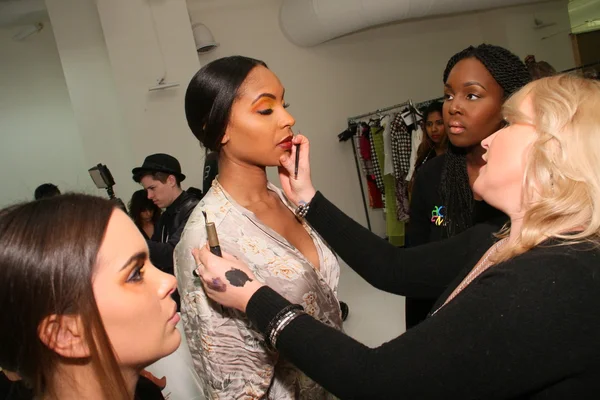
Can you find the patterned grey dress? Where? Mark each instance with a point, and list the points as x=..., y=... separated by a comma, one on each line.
x=232, y=359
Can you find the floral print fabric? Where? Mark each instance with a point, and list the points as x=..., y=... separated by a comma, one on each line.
x=232, y=359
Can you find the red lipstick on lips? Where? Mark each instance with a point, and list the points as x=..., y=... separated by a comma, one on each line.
x=286, y=143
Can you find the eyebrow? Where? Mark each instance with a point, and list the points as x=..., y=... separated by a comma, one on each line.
x=467, y=84
x=135, y=257
x=474, y=83
x=269, y=95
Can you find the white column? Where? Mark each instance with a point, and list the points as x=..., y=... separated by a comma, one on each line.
x=147, y=41
x=112, y=52
x=89, y=78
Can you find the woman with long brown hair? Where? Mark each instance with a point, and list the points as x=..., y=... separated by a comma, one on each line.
x=83, y=310
x=435, y=140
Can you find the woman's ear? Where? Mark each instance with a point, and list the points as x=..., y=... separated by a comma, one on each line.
x=64, y=335
x=225, y=139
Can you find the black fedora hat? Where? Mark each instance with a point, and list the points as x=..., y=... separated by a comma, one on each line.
x=158, y=163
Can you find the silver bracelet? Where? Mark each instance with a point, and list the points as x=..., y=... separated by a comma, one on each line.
x=302, y=209
x=273, y=333
x=277, y=328
x=281, y=324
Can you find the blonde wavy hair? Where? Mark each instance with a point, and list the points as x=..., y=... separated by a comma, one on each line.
x=561, y=185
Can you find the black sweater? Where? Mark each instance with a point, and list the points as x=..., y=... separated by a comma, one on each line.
x=422, y=227
x=426, y=198
x=527, y=328
x=169, y=229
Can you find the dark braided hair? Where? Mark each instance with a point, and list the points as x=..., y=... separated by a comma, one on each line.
x=456, y=193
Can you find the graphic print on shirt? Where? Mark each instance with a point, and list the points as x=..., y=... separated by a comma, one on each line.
x=438, y=215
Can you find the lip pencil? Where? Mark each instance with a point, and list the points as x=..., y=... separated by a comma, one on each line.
x=297, y=161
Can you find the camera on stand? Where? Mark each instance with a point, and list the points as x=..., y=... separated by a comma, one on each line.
x=103, y=179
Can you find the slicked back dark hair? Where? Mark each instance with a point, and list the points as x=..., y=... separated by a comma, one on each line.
x=210, y=95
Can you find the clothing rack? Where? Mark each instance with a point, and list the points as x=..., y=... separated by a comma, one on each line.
x=582, y=67
x=381, y=110
x=414, y=111
x=355, y=119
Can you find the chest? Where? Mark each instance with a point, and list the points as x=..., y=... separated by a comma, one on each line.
x=281, y=220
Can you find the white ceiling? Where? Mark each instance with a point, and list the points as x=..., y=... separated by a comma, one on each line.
x=585, y=15
x=21, y=12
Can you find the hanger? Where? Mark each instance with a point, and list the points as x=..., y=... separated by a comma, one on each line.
x=349, y=132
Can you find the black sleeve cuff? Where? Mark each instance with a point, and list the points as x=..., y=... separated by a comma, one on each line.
x=263, y=306
x=315, y=204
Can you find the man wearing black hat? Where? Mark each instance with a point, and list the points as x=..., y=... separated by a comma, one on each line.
x=161, y=176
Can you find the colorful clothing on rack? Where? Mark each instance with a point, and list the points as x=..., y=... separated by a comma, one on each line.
x=376, y=139
x=375, y=196
x=394, y=227
x=417, y=138
x=367, y=156
x=401, y=146
x=401, y=153
x=388, y=164
x=402, y=200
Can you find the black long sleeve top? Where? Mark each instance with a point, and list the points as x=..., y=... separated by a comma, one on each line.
x=527, y=328
x=169, y=229
x=426, y=200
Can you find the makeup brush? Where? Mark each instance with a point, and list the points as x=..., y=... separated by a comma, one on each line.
x=213, y=239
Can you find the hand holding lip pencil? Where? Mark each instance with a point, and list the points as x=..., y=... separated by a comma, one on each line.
x=294, y=171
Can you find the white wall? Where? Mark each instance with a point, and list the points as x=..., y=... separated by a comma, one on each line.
x=112, y=52
x=39, y=136
x=551, y=44
x=90, y=82
x=58, y=122
x=148, y=40
x=359, y=73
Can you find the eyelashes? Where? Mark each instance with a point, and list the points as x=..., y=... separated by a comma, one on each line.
x=470, y=96
x=269, y=111
x=137, y=274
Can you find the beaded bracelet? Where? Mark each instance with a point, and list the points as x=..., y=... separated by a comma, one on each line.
x=280, y=321
x=302, y=209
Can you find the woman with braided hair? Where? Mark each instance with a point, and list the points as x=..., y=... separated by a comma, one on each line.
x=477, y=81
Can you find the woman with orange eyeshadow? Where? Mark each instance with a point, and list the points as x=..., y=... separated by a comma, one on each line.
x=235, y=106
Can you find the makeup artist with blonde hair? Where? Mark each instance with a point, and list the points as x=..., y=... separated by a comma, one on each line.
x=517, y=315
